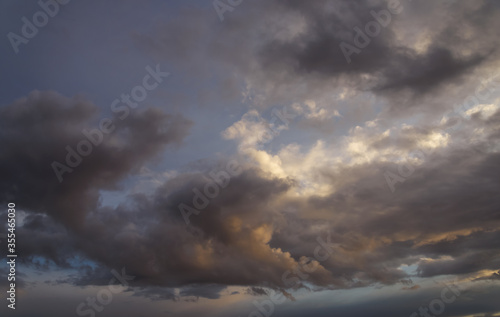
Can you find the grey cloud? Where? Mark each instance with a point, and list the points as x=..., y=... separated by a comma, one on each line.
x=205, y=291
x=37, y=129
x=256, y=291
x=290, y=50
x=240, y=240
x=373, y=232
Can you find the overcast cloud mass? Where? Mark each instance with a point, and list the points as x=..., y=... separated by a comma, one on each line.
x=251, y=158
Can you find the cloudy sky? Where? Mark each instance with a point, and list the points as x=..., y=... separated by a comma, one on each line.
x=251, y=157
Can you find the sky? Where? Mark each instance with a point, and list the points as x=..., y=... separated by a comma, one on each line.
x=250, y=158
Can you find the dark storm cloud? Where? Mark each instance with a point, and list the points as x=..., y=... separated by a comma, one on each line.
x=289, y=51
x=469, y=263
x=440, y=212
x=152, y=242
x=37, y=237
x=396, y=67
x=241, y=237
x=35, y=132
x=256, y=291
x=423, y=73
x=245, y=236
x=226, y=244
x=213, y=249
